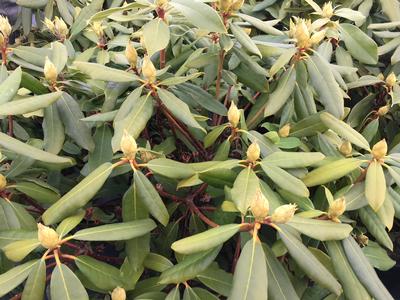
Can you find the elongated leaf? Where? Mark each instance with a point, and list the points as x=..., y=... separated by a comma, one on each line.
x=364, y=271
x=36, y=283
x=378, y=257
x=86, y=13
x=375, y=185
x=156, y=35
x=64, y=285
x=217, y=280
x=308, y=263
x=38, y=192
x=200, y=14
x=321, y=230
x=355, y=197
x=206, y=240
x=10, y=86
x=10, y=236
x=375, y=226
x=15, y=276
x=30, y=104
x=282, y=92
x=18, y=250
x=250, y=280
x=170, y=168
x=116, y=231
x=77, y=197
x=32, y=152
x=285, y=180
x=53, y=130
x=293, y=159
x=244, y=39
x=331, y=171
x=100, y=72
x=352, y=287
x=190, y=267
x=244, y=189
x=150, y=198
x=70, y=223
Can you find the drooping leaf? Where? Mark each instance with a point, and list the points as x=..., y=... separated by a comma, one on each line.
x=64, y=285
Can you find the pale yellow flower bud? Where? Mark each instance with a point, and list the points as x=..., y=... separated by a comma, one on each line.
x=97, y=28
x=259, y=206
x=284, y=131
x=61, y=29
x=131, y=55
x=5, y=27
x=327, y=10
x=50, y=25
x=336, y=209
x=3, y=182
x=381, y=76
x=118, y=294
x=302, y=34
x=379, y=150
x=47, y=236
x=383, y=110
x=391, y=80
x=253, y=152
x=2, y=41
x=317, y=37
x=50, y=71
x=237, y=5
x=128, y=146
x=161, y=3
x=148, y=69
x=233, y=115
x=292, y=29
x=225, y=5
x=345, y=148
x=283, y=213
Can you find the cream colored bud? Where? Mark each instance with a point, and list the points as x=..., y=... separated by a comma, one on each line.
x=2, y=41
x=237, y=5
x=148, y=69
x=391, y=80
x=128, y=145
x=259, y=206
x=5, y=27
x=3, y=182
x=253, y=152
x=97, y=28
x=317, y=37
x=327, y=10
x=225, y=5
x=233, y=115
x=292, y=29
x=383, y=110
x=247, y=30
x=379, y=150
x=161, y=3
x=50, y=71
x=47, y=236
x=302, y=34
x=50, y=25
x=118, y=294
x=131, y=55
x=61, y=29
x=381, y=76
x=345, y=148
x=284, y=131
x=336, y=209
x=283, y=213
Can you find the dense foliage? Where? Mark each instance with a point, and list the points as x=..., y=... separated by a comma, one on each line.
x=199, y=150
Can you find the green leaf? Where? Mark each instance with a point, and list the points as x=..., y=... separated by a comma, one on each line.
x=102, y=275
x=170, y=168
x=200, y=15
x=116, y=231
x=331, y=171
x=189, y=267
x=281, y=93
x=64, y=285
x=149, y=196
x=285, y=180
x=15, y=276
x=86, y=13
x=308, y=263
x=10, y=86
x=213, y=135
x=53, y=129
x=364, y=271
x=375, y=226
x=157, y=262
x=36, y=282
x=289, y=160
x=30, y=104
x=355, y=197
x=178, y=108
x=38, y=192
x=79, y=196
x=217, y=279
x=244, y=39
x=352, y=287
x=319, y=229
x=18, y=250
x=12, y=235
x=377, y=256
x=244, y=189
x=250, y=278
x=323, y=81
x=70, y=223
x=360, y=45
x=31, y=3
x=375, y=185
x=156, y=35
x=100, y=72
x=279, y=284
x=386, y=212
x=206, y=240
